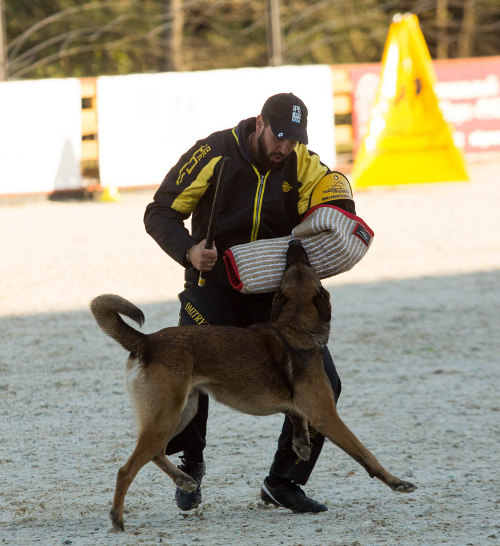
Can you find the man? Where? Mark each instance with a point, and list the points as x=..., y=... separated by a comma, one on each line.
x=269, y=182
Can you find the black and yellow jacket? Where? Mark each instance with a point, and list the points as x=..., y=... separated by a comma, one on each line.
x=256, y=204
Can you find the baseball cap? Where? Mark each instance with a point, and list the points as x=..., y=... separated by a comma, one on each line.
x=288, y=116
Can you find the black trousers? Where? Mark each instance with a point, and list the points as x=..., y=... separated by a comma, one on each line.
x=213, y=305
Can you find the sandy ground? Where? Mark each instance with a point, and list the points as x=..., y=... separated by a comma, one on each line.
x=415, y=338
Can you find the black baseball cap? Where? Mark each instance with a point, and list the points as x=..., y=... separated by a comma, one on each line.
x=288, y=116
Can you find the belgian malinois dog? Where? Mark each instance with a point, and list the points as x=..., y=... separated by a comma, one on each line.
x=261, y=370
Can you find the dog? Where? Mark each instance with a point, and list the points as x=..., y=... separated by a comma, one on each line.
x=260, y=370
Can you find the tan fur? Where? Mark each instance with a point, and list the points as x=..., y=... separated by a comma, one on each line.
x=260, y=370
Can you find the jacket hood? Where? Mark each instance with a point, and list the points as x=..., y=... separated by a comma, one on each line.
x=242, y=130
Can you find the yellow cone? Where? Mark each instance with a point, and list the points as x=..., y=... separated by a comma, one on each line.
x=110, y=194
x=408, y=140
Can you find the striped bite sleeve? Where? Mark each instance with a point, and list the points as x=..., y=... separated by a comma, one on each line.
x=334, y=240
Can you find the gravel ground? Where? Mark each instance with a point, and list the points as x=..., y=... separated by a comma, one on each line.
x=415, y=338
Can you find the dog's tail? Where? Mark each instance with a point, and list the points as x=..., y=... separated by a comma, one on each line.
x=106, y=309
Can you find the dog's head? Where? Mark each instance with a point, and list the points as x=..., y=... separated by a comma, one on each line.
x=301, y=298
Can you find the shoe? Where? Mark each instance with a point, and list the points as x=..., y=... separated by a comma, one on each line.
x=290, y=495
x=187, y=500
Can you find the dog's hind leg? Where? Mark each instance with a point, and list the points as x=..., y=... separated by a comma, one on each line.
x=180, y=478
x=159, y=413
x=189, y=411
x=317, y=402
x=149, y=444
x=301, y=443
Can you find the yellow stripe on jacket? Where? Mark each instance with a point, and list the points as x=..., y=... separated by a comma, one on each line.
x=187, y=200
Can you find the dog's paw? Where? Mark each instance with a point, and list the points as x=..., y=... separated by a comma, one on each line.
x=186, y=482
x=116, y=520
x=302, y=450
x=403, y=487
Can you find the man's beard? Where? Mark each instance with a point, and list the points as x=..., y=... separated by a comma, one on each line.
x=264, y=158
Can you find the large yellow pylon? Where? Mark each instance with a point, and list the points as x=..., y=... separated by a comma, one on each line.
x=408, y=140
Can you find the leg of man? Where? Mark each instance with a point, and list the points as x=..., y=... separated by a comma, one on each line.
x=199, y=306
x=192, y=442
x=288, y=471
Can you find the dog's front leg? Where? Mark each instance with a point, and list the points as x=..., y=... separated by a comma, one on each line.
x=317, y=402
x=338, y=432
x=301, y=442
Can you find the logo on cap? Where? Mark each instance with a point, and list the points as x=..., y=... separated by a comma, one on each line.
x=296, y=113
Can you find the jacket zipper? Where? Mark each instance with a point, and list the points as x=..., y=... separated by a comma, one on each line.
x=257, y=208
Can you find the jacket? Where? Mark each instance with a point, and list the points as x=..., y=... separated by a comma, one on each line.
x=256, y=204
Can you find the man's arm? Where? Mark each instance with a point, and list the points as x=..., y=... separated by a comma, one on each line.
x=333, y=189
x=176, y=198
x=166, y=226
x=320, y=185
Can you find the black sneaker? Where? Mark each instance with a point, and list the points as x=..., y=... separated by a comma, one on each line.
x=187, y=500
x=290, y=495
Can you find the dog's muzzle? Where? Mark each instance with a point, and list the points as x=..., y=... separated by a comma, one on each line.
x=296, y=253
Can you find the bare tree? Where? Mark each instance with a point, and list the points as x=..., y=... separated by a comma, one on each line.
x=274, y=43
x=174, y=13
x=442, y=26
x=61, y=38
x=4, y=69
x=466, y=36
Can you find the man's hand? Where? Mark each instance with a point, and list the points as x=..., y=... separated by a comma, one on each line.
x=202, y=258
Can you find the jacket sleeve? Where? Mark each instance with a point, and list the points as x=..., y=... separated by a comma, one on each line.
x=166, y=226
x=177, y=197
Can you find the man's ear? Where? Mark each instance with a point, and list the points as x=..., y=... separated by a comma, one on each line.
x=322, y=304
x=279, y=301
x=259, y=124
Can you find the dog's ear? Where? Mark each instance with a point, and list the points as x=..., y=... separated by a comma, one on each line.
x=322, y=304
x=279, y=301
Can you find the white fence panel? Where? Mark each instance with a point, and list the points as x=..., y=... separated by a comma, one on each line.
x=147, y=121
x=40, y=136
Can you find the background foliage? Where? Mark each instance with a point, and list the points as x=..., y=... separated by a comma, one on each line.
x=62, y=38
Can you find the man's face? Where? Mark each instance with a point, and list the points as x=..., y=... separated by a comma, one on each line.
x=272, y=150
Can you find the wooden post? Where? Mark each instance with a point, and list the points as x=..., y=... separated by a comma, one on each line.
x=274, y=49
x=466, y=36
x=4, y=68
x=442, y=28
x=174, y=10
